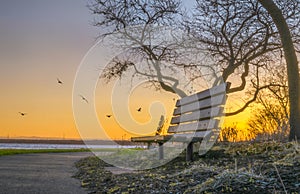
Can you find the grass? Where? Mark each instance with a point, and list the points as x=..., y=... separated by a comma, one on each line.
x=26, y=151
x=32, y=151
x=266, y=167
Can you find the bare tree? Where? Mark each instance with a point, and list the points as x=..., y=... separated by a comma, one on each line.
x=270, y=118
x=244, y=34
x=135, y=20
x=291, y=61
x=243, y=38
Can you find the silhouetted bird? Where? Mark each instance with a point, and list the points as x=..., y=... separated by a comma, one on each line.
x=84, y=99
x=108, y=116
x=59, y=81
x=22, y=113
x=139, y=109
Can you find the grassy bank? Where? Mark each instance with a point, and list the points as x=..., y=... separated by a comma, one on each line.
x=32, y=151
x=268, y=167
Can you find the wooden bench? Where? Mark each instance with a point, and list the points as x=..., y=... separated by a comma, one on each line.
x=195, y=117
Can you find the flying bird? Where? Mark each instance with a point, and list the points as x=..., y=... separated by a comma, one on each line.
x=139, y=109
x=22, y=113
x=108, y=116
x=59, y=81
x=84, y=99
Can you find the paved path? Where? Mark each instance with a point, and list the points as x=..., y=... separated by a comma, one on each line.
x=40, y=173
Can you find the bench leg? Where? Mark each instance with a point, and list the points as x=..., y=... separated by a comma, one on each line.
x=189, y=152
x=160, y=151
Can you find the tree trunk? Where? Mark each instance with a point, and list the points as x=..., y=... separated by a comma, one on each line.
x=292, y=65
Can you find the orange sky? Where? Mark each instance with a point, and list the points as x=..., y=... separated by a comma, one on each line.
x=37, y=46
x=50, y=112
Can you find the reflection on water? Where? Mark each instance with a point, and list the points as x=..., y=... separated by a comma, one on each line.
x=58, y=146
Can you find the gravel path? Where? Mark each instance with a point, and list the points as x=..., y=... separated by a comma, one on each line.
x=40, y=173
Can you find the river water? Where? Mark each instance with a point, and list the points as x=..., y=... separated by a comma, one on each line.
x=58, y=146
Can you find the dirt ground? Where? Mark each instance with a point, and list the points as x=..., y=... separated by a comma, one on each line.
x=267, y=167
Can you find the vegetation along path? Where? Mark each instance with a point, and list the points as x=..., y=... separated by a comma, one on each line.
x=265, y=168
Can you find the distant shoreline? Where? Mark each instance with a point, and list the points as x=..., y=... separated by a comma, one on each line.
x=66, y=141
x=42, y=141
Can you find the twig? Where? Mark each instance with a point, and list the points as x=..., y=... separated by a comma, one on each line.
x=280, y=178
x=235, y=165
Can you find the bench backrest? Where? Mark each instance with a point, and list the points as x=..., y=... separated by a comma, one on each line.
x=200, y=111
